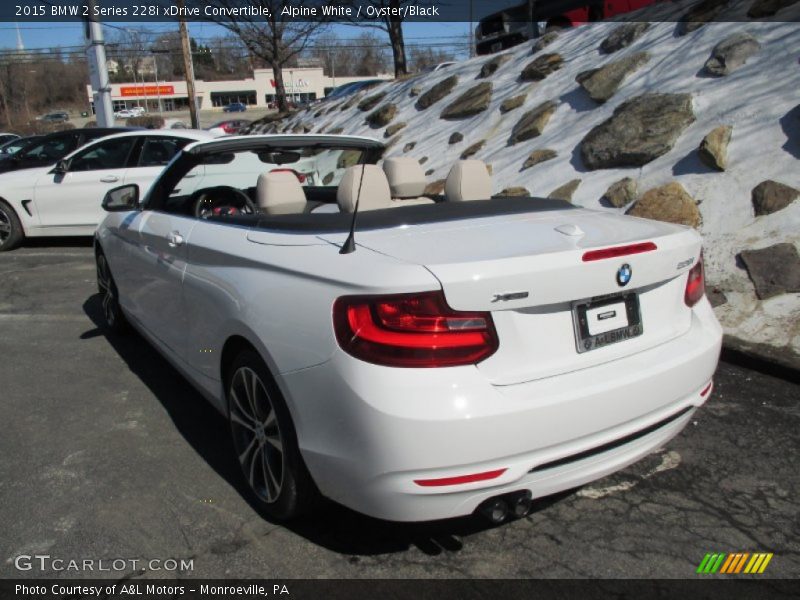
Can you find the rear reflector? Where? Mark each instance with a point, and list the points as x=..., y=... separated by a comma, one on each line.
x=695, y=284
x=706, y=389
x=604, y=253
x=412, y=330
x=486, y=475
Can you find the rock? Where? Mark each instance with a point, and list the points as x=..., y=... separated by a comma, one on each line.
x=670, y=203
x=539, y=156
x=414, y=91
x=699, y=15
x=491, y=65
x=541, y=67
x=773, y=270
x=391, y=142
x=307, y=128
x=423, y=160
x=713, y=150
x=602, y=83
x=455, y=138
x=348, y=104
x=409, y=146
x=510, y=104
x=731, y=53
x=770, y=196
x=767, y=8
x=544, y=41
x=348, y=158
x=565, y=191
x=434, y=188
x=336, y=131
x=437, y=92
x=327, y=179
x=382, y=116
x=513, y=191
x=370, y=102
x=621, y=193
x=429, y=172
x=318, y=114
x=639, y=131
x=623, y=36
x=475, y=100
x=472, y=150
x=392, y=129
x=716, y=297
x=532, y=123
x=489, y=168
x=299, y=128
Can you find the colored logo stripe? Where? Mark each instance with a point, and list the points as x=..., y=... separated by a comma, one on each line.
x=720, y=562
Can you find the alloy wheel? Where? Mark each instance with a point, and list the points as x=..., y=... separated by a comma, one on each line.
x=256, y=434
x=5, y=226
x=106, y=285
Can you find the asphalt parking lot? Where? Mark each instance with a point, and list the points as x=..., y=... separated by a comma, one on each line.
x=106, y=452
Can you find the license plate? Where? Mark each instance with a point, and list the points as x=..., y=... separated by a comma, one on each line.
x=606, y=321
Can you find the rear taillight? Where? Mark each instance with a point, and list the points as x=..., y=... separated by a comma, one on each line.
x=412, y=330
x=695, y=284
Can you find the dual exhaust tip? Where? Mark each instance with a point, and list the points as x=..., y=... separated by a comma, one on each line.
x=514, y=505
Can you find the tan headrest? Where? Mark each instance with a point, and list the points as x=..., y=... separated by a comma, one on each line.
x=279, y=192
x=468, y=180
x=405, y=175
x=374, y=189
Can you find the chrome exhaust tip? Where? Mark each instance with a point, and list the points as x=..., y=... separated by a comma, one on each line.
x=495, y=510
x=521, y=504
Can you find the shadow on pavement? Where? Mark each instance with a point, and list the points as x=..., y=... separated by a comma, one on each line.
x=334, y=527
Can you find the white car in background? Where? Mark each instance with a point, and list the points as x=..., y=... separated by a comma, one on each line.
x=453, y=354
x=65, y=199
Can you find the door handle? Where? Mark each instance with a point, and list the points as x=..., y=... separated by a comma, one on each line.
x=174, y=239
x=109, y=179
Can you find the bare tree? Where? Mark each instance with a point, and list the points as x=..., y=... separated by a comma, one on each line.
x=364, y=56
x=425, y=57
x=277, y=39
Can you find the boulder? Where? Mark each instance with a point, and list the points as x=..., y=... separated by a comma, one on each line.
x=731, y=53
x=541, y=67
x=773, y=270
x=409, y=146
x=382, y=116
x=437, y=92
x=565, y=191
x=510, y=104
x=623, y=36
x=491, y=65
x=429, y=172
x=475, y=100
x=670, y=203
x=767, y=8
x=370, y=102
x=414, y=91
x=455, y=137
x=435, y=187
x=716, y=297
x=423, y=160
x=473, y=149
x=770, y=196
x=621, y=193
x=713, y=150
x=328, y=178
x=544, y=41
x=639, y=131
x=392, y=129
x=602, y=83
x=336, y=131
x=532, y=123
x=348, y=158
x=699, y=15
x=513, y=191
x=538, y=156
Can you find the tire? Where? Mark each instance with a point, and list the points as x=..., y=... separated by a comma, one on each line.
x=11, y=234
x=112, y=313
x=265, y=441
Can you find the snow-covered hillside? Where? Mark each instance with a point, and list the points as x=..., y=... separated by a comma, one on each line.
x=759, y=100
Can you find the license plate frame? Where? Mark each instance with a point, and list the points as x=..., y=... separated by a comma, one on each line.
x=586, y=342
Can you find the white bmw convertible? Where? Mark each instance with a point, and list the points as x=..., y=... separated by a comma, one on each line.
x=410, y=357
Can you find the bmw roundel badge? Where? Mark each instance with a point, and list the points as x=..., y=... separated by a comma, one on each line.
x=624, y=274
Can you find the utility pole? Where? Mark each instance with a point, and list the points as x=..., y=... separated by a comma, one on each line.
x=188, y=68
x=98, y=70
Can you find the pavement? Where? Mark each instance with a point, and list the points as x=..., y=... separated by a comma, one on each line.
x=107, y=453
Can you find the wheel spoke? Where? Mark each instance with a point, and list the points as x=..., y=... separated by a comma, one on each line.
x=253, y=461
x=249, y=391
x=270, y=419
x=243, y=455
x=273, y=487
x=241, y=407
x=5, y=227
x=275, y=442
x=241, y=422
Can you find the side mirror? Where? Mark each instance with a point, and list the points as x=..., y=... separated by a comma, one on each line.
x=122, y=198
x=61, y=167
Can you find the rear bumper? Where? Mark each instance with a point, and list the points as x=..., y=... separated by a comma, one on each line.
x=368, y=433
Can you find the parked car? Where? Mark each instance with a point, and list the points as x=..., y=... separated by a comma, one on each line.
x=462, y=354
x=439, y=67
x=125, y=113
x=8, y=137
x=231, y=126
x=235, y=107
x=53, y=147
x=65, y=199
x=348, y=89
x=11, y=147
x=56, y=117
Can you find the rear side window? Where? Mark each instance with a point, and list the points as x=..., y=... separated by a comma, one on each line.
x=111, y=154
x=157, y=151
x=51, y=149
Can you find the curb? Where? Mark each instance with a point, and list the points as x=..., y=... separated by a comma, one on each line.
x=783, y=363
